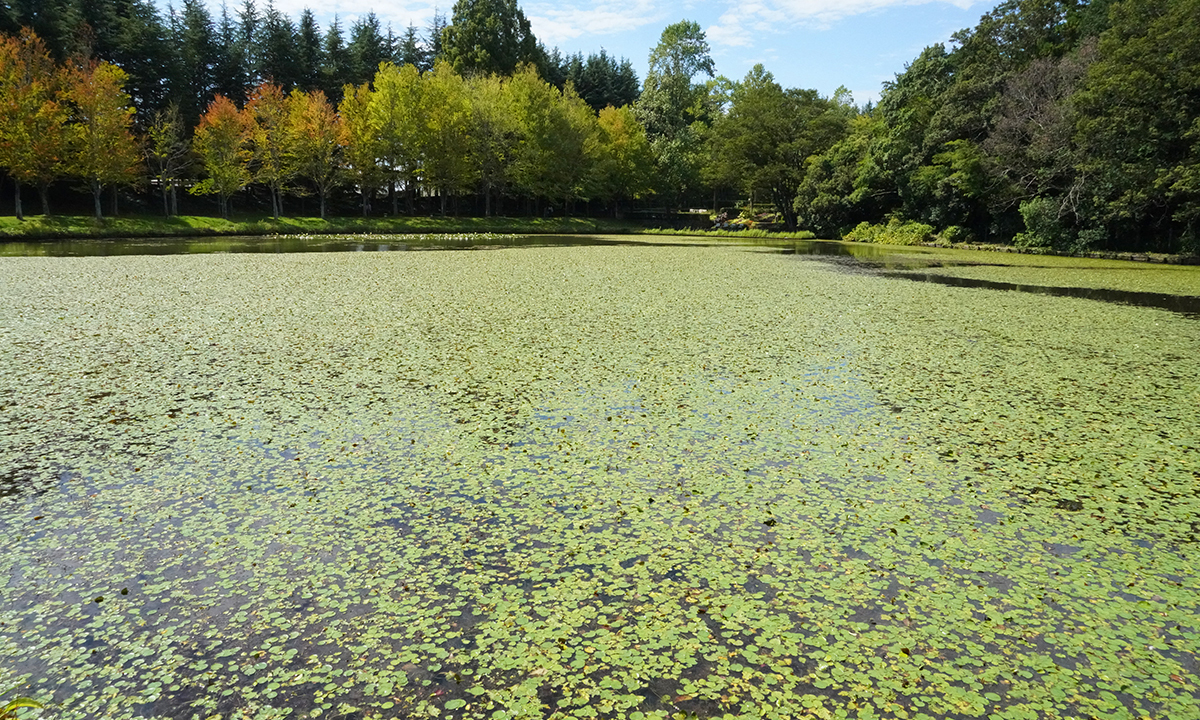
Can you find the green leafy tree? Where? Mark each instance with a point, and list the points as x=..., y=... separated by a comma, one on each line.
x=361, y=139
x=1138, y=127
x=672, y=108
x=625, y=162
x=489, y=36
x=842, y=186
x=770, y=133
x=495, y=134
x=398, y=114
x=167, y=151
x=103, y=150
x=221, y=143
x=446, y=109
x=32, y=120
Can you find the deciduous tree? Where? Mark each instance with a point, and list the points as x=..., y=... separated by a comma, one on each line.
x=361, y=141
x=32, y=120
x=221, y=144
x=103, y=150
x=316, y=133
x=272, y=160
x=167, y=152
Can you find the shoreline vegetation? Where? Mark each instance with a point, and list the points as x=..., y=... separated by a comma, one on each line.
x=68, y=227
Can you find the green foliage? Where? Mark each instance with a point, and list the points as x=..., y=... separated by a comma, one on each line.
x=1043, y=225
x=1139, y=123
x=8, y=711
x=489, y=36
x=672, y=107
x=766, y=138
x=956, y=234
x=895, y=232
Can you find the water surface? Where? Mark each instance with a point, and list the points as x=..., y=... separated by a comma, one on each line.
x=613, y=481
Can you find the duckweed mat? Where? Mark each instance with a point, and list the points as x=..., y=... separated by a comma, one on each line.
x=611, y=482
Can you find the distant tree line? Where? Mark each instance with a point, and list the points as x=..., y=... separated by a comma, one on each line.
x=181, y=73
x=1053, y=123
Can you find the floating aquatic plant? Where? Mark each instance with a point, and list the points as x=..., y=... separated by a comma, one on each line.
x=590, y=482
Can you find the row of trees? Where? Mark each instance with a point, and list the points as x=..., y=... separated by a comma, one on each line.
x=57, y=121
x=187, y=57
x=409, y=133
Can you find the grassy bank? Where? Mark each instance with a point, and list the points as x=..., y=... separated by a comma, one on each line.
x=64, y=227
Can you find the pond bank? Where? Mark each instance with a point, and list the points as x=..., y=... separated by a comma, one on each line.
x=70, y=227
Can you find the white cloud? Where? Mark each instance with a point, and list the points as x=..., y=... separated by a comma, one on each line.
x=739, y=24
x=554, y=23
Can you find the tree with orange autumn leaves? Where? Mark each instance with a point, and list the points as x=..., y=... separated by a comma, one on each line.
x=32, y=117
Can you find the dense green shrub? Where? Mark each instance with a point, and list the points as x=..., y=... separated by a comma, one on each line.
x=956, y=234
x=1043, y=228
x=894, y=233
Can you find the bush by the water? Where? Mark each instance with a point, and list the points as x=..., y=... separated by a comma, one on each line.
x=894, y=233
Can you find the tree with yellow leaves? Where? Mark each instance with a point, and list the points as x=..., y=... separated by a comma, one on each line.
x=103, y=149
x=316, y=132
x=272, y=161
x=360, y=136
x=32, y=120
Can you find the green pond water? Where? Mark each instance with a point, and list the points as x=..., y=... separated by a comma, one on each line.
x=605, y=479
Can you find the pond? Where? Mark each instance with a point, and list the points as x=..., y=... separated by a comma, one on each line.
x=605, y=479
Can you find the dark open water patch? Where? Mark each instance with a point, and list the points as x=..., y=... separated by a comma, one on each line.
x=1185, y=304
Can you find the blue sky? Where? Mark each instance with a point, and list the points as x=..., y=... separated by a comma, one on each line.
x=805, y=43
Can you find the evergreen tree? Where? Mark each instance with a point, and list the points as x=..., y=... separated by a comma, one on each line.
x=195, y=40
x=308, y=52
x=335, y=65
x=367, y=49
x=409, y=50
x=435, y=43
x=54, y=21
x=249, y=30
x=489, y=36
x=601, y=81
x=277, y=49
x=231, y=77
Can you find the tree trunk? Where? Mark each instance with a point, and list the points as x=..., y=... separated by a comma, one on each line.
x=442, y=198
x=96, y=199
x=322, y=193
x=17, y=199
x=366, y=203
x=115, y=197
x=166, y=197
x=395, y=198
x=487, y=202
x=174, y=200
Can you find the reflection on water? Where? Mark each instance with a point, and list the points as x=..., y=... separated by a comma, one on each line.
x=1185, y=304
